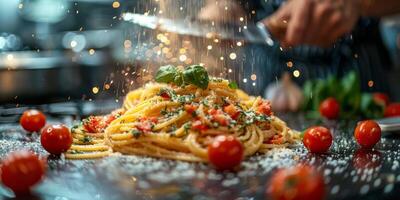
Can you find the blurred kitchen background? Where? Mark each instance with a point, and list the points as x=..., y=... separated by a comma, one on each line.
x=61, y=50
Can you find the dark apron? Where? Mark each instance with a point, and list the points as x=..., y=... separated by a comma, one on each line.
x=362, y=51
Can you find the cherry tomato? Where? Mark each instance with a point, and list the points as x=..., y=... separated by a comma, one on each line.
x=232, y=111
x=392, y=110
x=381, y=98
x=199, y=126
x=264, y=107
x=317, y=139
x=367, y=159
x=189, y=108
x=32, y=120
x=367, y=133
x=20, y=170
x=56, y=139
x=329, y=108
x=296, y=183
x=225, y=152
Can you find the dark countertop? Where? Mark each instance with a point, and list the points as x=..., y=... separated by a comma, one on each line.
x=349, y=173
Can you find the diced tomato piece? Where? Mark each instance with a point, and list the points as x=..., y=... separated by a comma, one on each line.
x=150, y=119
x=220, y=119
x=276, y=139
x=264, y=107
x=213, y=111
x=190, y=108
x=144, y=126
x=232, y=111
x=199, y=126
x=165, y=95
x=91, y=124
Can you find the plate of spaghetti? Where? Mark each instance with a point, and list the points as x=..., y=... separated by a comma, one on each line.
x=178, y=116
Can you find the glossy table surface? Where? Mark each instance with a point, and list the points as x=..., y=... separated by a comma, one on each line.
x=349, y=173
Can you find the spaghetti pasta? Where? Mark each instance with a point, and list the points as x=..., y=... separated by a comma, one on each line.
x=179, y=122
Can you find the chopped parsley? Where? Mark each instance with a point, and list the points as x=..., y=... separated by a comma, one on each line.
x=86, y=139
x=136, y=133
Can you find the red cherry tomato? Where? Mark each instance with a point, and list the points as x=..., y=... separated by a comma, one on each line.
x=392, y=110
x=20, y=170
x=92, y=124
x=56, y=139
x=296, y=183
x=367, y=133
x=317, y=139
x=225, y=152
x=381, y=98
x=329, y=108
x=32, y=120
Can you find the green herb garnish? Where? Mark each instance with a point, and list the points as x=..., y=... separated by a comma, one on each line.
x=136, y=133
x=233, y=85
x=194, y=74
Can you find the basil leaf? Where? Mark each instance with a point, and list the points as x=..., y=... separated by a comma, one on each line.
x=166, y=74
x=196, y=75
x=233, y=85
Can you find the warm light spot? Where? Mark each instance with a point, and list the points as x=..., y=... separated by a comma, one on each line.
x=289, y=64
x=127, y=44
x=230, y=70
x=253, y=12
x=254, y=83
x=221, y=58
x=226, y=7
x=181, y=8
x=95, y=90
x=296, y=73
x=165, y=50
x=160, y=12
x=245, y=80
x=182, y=58
x=116, y=4
x=370, y=83
x=239, y=44
x=73, y=43
x=10, y=57
x=355, y=55
x=91, y=51
x=232, y=56
x=253, y=77
x=107, y=86
x=245, y=27
x=241, y=19
x=182, y=51
x=201, y=64
x=209, y=47
x=216, y=40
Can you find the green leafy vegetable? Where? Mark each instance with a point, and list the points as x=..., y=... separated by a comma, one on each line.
x=347, y=90
x=233, y=85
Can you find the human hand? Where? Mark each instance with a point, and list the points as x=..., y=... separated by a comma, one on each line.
x=314, y=22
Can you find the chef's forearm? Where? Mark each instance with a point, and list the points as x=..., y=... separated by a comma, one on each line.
x=379, y=8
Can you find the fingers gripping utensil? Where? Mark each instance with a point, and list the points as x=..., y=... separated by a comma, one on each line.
x=250, y=32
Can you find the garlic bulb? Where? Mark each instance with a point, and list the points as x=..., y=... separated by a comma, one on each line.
x=284, y=95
